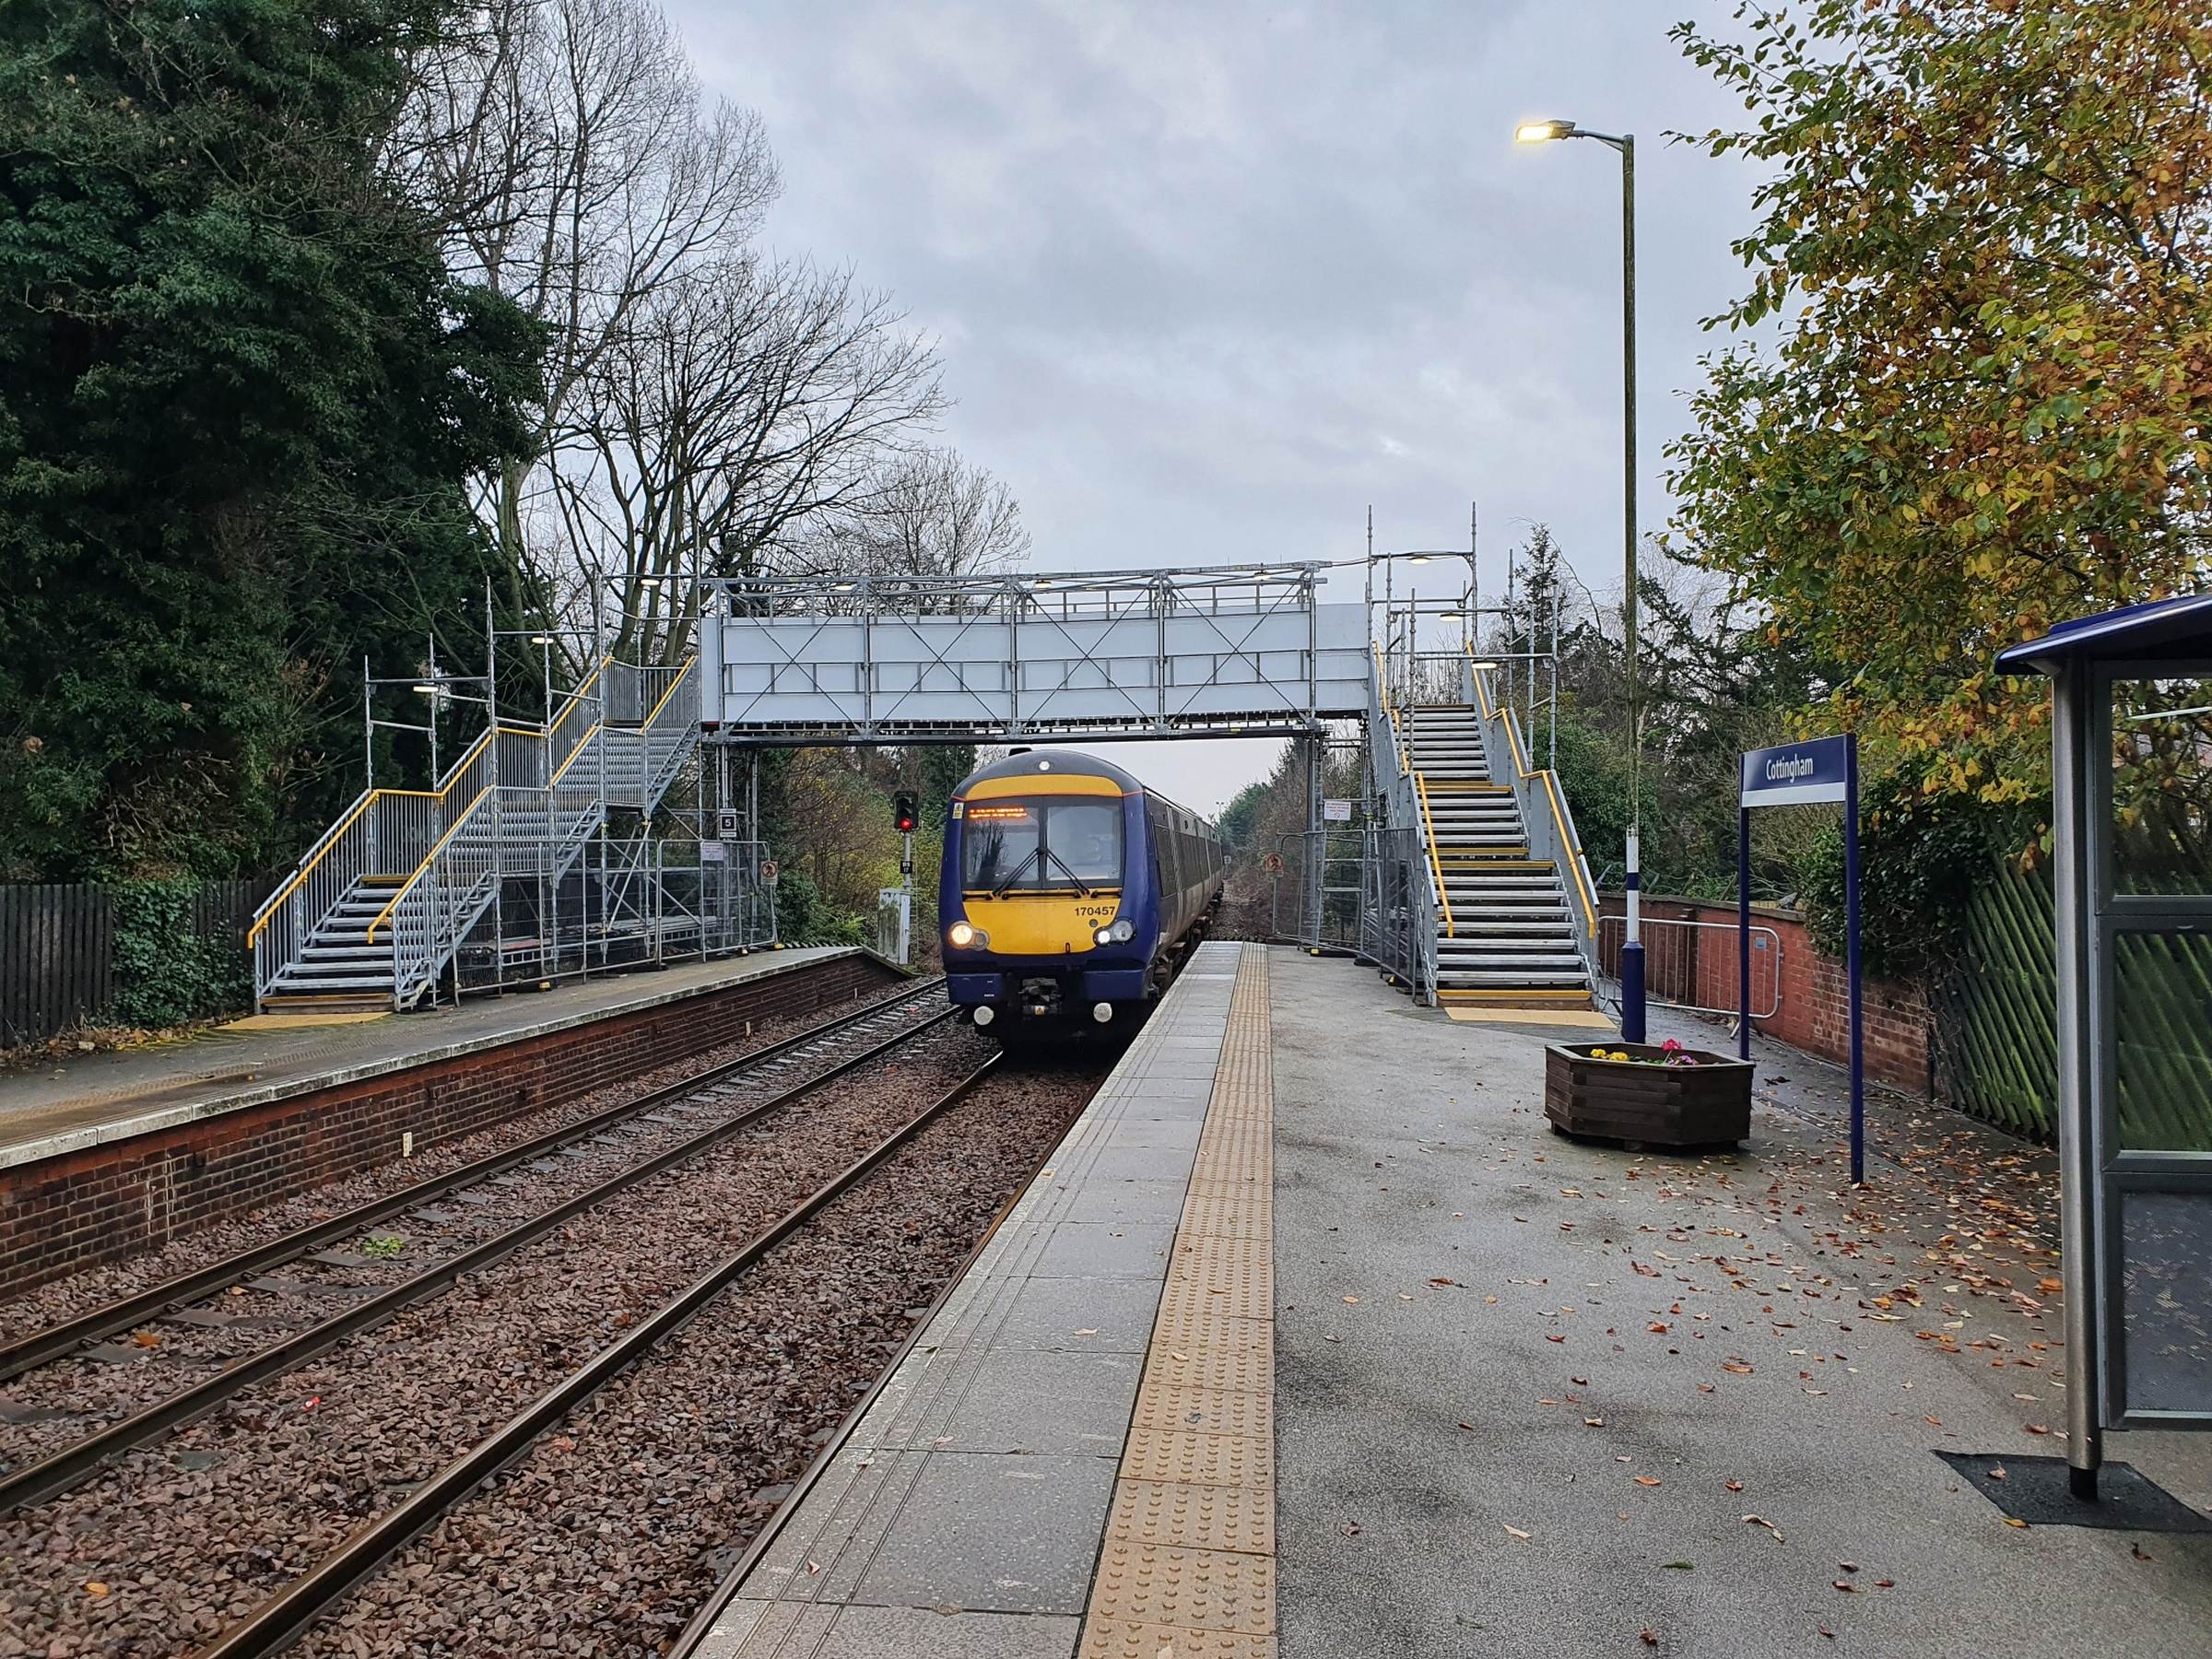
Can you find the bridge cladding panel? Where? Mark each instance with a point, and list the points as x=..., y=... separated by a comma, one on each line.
x=991, y=661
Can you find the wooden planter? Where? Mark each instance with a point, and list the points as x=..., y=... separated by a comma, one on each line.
x=1706, y=1104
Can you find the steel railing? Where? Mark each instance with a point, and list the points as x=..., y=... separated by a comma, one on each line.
x=1546, y=817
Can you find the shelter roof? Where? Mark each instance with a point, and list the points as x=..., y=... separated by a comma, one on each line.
x=2161, y=629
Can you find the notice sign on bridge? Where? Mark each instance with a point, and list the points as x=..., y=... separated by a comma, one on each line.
x=1798, y=774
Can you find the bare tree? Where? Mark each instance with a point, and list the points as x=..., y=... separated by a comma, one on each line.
x=929, y=514
x=743, y=401
x=567, y=150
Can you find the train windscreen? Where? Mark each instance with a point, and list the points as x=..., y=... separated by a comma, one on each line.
x=1063, y=841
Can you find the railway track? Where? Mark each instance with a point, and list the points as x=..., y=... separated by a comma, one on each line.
x=454, y=1224
x=282, y=1620
x=815, y=1244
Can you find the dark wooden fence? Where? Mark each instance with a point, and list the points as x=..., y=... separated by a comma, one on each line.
x=57, y=949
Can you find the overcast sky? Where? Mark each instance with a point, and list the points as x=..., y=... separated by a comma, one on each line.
x=1211, y=279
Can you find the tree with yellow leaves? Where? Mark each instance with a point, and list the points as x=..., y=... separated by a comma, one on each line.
x=1986, y=403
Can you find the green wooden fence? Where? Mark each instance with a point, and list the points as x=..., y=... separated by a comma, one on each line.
x=1996, y=1010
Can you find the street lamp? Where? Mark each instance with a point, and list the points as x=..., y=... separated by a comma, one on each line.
x=1545, y=132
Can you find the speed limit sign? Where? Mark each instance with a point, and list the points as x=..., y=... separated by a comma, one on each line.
x=768, y=870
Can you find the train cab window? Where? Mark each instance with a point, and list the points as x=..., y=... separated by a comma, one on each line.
x=1033, y=845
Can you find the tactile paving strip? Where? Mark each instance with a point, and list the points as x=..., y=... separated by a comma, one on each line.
x=1183, y=1515
x=1188, y=1565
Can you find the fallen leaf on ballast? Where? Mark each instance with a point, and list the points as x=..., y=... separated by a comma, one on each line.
x=1594, y=1422
x=1647, y=1480
x=1519, y=1534
x=2050, y=1286
x=1650, y=1636
x=1737, y=1366
x=146, y=1339
x=2035, y=1429
x=1443, y=1281
x=2015, y=1521
x=1679, y=1565
x=95, y=1588
x=1353, y=1300
x=1558, y=1338
x=1845, y=1585
x=1467, y=1426
x=1762, y=1521
x=1997, y=1472
x=1735, y=1485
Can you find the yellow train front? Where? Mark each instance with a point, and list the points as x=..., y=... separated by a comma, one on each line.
x=1069, y=890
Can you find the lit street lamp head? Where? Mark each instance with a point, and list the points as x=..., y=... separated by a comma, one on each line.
x=1539, y=132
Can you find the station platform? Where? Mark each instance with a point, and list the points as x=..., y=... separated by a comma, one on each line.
x=1312, y=1340
x=94, y=1099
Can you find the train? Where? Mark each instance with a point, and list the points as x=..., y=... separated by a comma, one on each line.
x=1069, y=892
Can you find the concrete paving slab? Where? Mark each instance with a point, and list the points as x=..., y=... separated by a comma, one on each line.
x=94, y=1099
x=1088, y=1315
x=1529, y=1390
x=1008, y=1534
x=964, y=1516
x=1068, y=1403
x=926, y=1633
x=1102, y=1250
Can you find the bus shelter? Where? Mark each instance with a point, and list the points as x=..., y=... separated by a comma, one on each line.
x=2131, y=765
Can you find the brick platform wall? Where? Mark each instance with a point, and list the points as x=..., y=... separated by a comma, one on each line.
x=102, y=1203
x=1698, y=966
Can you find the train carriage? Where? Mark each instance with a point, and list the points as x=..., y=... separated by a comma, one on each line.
x=1069, y=892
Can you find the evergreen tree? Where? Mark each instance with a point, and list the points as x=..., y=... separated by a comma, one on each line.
x=239, y=394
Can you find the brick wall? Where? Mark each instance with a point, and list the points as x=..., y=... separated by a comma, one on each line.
x=1698, y=965
x=99, y=1204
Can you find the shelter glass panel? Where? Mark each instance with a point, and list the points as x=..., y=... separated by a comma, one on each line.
x=2166, y=1299
x=2162, y=784
x=2161, y=1025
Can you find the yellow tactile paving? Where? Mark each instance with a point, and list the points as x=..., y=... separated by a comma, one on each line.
x=1188, y=1566
x=1246, y=1368
x=1123, y=1639
x=1242, y=1411
x=1185, y=1516
x=1189, y=1589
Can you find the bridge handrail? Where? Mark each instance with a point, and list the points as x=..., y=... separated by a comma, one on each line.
x=1568, y=848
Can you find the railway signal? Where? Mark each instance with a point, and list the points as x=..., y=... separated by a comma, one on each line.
x=904, y=815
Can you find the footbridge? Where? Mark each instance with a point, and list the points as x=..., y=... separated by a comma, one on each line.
x=623, y=825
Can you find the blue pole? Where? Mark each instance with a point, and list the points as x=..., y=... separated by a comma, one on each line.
x=1631, y=951
x=1743, y=933
x=1851, y=948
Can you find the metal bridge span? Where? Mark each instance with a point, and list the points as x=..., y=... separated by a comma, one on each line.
x=1218, y=653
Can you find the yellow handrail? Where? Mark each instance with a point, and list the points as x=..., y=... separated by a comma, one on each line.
x=305, y=870
x=672, y=684
x=384, y=915
x=1436, y=864
x=1551, y=794
x=576, y=696
x=576, y=754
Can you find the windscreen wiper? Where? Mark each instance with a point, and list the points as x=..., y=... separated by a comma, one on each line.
x=1014, y=874
x=1044, y=853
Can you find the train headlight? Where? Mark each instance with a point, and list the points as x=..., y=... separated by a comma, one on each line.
x=1105, y=935
x=1120, y=932
x=961, y=936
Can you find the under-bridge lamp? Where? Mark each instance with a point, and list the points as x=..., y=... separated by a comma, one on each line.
x=541, y=638
x=426, y=690
x=1482, y=665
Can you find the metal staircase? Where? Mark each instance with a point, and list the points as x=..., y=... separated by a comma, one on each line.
x=376, y=912
x=1503, y=931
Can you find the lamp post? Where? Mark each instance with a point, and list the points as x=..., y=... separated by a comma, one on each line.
x=1631, y=953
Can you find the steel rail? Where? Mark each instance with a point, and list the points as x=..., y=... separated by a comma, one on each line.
x=54, y=1342
x=285, y=1617
x=61, y=1470
x=701, y=1623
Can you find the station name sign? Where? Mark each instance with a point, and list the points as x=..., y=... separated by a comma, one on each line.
x=1796, y=774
